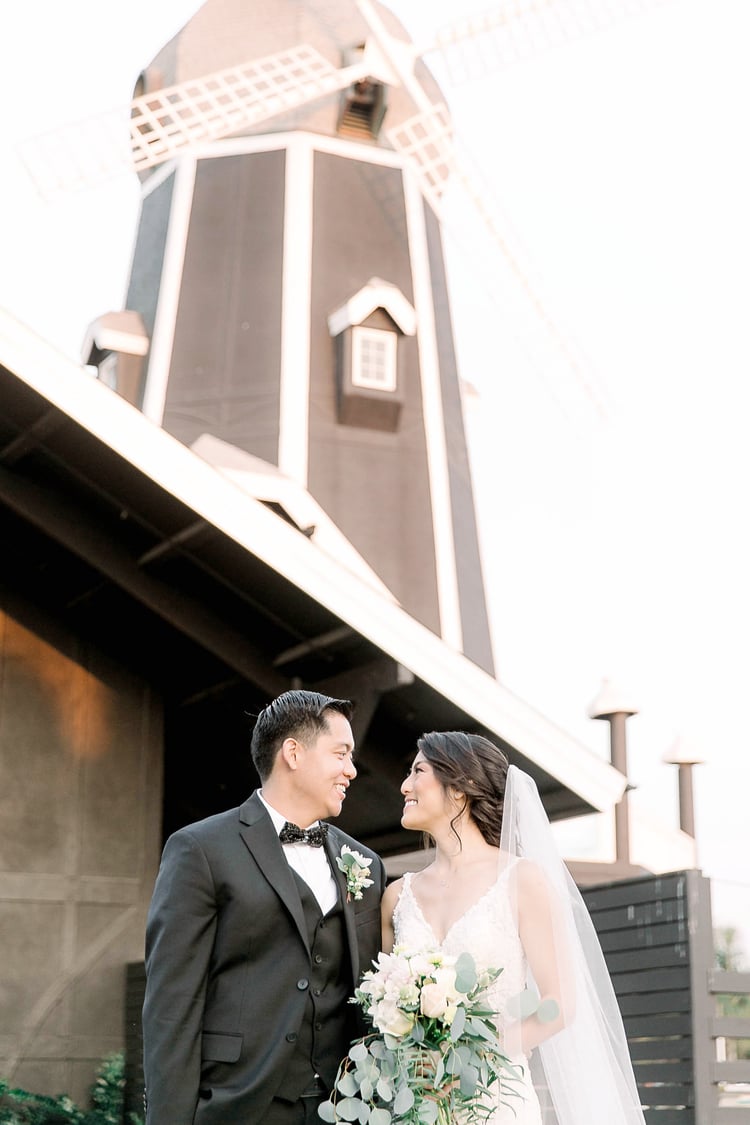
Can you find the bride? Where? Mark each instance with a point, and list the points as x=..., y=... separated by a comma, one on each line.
x=498, y=890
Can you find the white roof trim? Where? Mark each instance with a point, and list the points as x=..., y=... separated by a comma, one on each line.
x=249, y=523
x=267, y=483
x=377, y=294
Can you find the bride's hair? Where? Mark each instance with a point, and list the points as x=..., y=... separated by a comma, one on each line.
x=475, y=767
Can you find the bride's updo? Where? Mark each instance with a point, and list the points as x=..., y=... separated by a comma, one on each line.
x=476, y=768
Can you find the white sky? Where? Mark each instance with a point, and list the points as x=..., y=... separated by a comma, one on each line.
x=615, y=542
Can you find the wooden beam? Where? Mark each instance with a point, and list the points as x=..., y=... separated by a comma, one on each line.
x=366, y=685
x=69, y=526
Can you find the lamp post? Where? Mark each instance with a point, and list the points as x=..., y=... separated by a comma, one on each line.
x=685, y=755
x=612, y=704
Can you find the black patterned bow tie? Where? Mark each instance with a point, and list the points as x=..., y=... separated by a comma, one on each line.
x=291, y=834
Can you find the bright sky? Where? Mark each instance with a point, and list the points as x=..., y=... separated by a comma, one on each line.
x=615, y=539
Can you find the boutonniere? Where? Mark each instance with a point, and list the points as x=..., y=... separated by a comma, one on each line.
x=357, y=871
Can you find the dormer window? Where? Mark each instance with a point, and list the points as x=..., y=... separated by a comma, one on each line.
x=374, y=352
x=368, y=332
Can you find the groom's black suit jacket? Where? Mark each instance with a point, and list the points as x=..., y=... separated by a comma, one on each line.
x=227, y=961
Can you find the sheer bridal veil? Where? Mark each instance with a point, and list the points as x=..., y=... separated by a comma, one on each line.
x=586, y=1065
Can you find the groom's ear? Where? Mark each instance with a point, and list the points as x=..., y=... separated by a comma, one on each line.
x=289, y=753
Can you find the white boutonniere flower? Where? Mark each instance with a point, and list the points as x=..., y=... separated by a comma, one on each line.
x=357, y=871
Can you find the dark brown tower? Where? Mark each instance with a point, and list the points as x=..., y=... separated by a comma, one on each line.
x=292, y=282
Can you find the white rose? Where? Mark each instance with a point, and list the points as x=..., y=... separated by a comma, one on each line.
x=434, y=1001
x=440, y=996
x=391, y=1020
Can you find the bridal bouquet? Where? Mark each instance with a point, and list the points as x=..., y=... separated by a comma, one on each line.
x=433, y=1055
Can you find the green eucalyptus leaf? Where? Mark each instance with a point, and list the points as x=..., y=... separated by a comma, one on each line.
x=451, y=1061
x=548, y=1010
x=466, y=973
x=481, y=1031
x=366, y=1090
x=459, y=1021
x=385, y=1089
x=358, y=1053
x=348, y=1109
x=380, y=1117
x=523, y=1005
x=403, y=1101
x=327, y=1112
x=417, y=1033
x=347, y=1085
x=428, y=1112
x=469, y=1078
x=389, y=1064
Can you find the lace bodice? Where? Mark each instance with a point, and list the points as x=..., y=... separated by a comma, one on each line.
x=487, y=930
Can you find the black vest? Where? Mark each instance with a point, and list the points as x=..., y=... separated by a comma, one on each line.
x=328, y=1026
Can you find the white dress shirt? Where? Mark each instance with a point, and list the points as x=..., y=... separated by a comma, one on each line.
x=311, y=864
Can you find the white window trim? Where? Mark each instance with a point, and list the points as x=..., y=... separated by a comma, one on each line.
x=381, y=336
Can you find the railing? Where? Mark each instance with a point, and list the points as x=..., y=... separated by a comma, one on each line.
x=730, y=1075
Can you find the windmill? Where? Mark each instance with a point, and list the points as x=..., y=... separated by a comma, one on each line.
x=289, y=283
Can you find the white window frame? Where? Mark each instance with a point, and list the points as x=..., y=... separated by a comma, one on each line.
x=383, y=338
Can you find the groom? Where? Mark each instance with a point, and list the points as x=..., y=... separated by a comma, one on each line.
x=254, y=943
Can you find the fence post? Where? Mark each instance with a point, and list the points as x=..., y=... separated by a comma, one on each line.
x=701, y=938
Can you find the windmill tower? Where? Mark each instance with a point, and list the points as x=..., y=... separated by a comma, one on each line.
x=290, y=280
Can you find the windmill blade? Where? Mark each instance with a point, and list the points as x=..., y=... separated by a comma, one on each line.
x=518, y=29
x=165, y=122
x=427, y=142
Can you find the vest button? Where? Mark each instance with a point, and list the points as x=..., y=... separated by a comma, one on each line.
x=316, y=992
x=303, y=984
x=291, y=1037
x=318, y=958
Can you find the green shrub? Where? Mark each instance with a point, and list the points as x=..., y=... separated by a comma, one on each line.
x=19, y=1107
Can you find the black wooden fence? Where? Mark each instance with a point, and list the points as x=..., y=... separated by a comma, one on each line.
x=657, y=937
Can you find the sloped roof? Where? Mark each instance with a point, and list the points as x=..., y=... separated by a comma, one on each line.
x=236, y=579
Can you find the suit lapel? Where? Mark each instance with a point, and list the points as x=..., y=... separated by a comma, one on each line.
x=259, y=835
x=332, y=846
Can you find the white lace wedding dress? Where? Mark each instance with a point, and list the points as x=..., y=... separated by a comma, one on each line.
x=488, y=932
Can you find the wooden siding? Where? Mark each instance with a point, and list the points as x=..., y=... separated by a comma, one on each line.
x=644, y=930
x=657, y=937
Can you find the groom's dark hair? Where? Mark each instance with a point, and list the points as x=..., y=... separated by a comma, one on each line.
x=295, y=714
x=477, y=769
